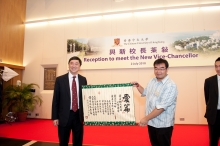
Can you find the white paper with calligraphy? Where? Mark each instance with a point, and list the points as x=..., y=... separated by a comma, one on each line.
x=198, y=48
x=108, y=104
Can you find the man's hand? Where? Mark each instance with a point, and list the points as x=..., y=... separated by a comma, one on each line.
x=55, y=122
x=150, y=116
x=143, y=121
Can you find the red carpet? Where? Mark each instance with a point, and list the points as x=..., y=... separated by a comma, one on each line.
x=43, y=130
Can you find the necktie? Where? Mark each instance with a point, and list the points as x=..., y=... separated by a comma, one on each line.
x=74, y=95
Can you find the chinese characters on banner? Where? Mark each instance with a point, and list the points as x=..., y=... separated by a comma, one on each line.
x=108, y=104
x=198, y=48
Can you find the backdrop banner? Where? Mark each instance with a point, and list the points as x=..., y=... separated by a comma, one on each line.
x=108, y=104
x=200, y=48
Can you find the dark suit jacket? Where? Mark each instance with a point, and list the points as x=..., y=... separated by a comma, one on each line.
x=211, y=98
x=61, y=99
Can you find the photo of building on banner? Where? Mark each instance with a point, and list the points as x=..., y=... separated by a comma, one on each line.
x=108, y=104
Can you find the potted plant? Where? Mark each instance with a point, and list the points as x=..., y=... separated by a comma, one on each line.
x=21, y=99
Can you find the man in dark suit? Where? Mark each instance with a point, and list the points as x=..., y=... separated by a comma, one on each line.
x=212, y=99
x=64, y=114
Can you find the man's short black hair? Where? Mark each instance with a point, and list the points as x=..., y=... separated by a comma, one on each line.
x=75, y=58
x=159, y=61
x=218, y=59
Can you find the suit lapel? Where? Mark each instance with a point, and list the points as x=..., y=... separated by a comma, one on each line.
x=66, y=84
x=215, y=84
x=80, y=82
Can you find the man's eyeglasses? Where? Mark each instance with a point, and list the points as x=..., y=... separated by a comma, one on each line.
x=159, y=69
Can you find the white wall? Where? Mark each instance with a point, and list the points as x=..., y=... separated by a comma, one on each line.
x=45, y=45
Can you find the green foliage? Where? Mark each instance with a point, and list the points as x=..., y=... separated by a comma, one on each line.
x=20, y=98
x=203, y=38
x=180, y=43
x=78, y=45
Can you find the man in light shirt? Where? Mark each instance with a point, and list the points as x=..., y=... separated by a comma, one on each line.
x=161, y=93
x=212, y=96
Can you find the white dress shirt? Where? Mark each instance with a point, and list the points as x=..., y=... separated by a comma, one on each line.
x=70, y=85
x=218, y=77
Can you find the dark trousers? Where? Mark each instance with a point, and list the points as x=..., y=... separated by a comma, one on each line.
x=76, y=126
x=214, y=131
x=160, y=136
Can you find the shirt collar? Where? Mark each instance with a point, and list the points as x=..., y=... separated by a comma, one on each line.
x=218, y=77
x=164, y=80
x=71, y=76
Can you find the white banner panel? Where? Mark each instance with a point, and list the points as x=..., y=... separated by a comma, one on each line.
x=108, y=104
x=138, y=51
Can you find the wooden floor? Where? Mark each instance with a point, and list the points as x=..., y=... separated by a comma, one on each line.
x=19, y=142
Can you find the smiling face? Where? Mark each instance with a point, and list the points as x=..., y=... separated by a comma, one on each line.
x=217, y=67
x=160, y=71
x=74, y=67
